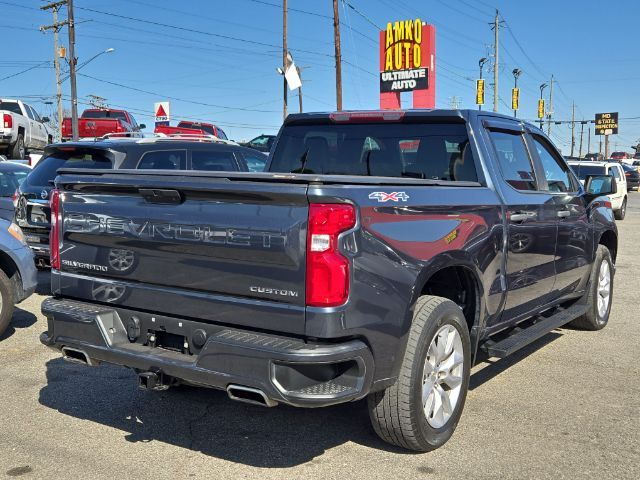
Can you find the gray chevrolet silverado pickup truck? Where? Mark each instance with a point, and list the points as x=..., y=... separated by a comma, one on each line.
x=377, y=257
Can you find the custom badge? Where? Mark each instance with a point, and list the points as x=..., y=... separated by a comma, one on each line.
x=389, y=197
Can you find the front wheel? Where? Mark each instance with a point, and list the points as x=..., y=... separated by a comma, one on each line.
x=600, y=293
x=6, y=301
x=421, y=410
x=620, y=214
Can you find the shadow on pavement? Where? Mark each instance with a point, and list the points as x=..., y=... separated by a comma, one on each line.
x=21, y=319
x=205, y=420
x=496, y=367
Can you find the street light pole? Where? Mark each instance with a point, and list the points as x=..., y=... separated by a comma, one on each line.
x=84, y=64
x=481, y=63
x=516, y=73
x=542, y=87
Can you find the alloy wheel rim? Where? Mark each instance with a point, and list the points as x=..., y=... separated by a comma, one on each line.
x=442, y=376
x=604, y=288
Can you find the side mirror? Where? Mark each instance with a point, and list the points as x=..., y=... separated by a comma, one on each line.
x=141, y=126
x=597, y=185
x=46, y=119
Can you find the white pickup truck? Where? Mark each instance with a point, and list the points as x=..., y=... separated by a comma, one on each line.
x=21, y=129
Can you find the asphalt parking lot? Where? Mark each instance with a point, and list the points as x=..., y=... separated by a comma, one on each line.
x=566, y=407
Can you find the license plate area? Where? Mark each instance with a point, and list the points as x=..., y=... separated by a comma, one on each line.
x=168, y=341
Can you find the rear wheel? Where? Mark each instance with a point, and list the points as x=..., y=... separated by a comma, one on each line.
x=600, y=293
x=620, y=214
x=17, y=151
x=421, y=410
x=6, y=301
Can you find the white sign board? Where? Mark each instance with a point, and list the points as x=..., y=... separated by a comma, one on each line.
x=162, y=111
x=293, y=79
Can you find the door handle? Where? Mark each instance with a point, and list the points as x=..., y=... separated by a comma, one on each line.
x=563, y=213
x=521, y=216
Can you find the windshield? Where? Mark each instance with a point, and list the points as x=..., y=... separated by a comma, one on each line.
x=583, y=170
x=436, y=151
x=45, y=171
x=10, y=180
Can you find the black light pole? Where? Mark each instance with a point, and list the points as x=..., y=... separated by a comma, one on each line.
x=542, y=87
x=516, y=73
x=481, y=63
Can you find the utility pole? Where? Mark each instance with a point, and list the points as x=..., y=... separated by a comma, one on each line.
x=581, y=133
x=72, y=71
x=496, y=59
x=550, y=107
x=573, y=127
x=588, y=138
x=606, y=147
x=336, y=40
x=285, y=60
x=56, y=26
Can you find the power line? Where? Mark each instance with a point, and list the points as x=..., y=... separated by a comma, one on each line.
x=24, y=71
x=358, y=12
x=178, y=99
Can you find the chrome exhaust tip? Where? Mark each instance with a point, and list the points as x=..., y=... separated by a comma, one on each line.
x=254, y=396
x=74, y=355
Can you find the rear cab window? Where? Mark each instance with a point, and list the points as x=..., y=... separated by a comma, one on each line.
x=12, y=107
x=434, y=151
x=46, y=169
x=582, y=170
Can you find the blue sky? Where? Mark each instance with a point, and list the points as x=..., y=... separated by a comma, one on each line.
x=217, y=59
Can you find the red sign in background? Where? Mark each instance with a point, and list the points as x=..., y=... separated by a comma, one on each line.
x=422, y=98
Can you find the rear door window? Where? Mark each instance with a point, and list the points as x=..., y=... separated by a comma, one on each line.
x=513, y=158
x=434, y=151
x=616, y=172
x=218, y=161
x=46, y=169
x=163, y=160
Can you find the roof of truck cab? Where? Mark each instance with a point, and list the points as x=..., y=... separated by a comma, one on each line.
x=440, y=113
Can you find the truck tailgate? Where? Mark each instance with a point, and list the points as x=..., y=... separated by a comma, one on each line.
x=202, y=248
x=97, y=127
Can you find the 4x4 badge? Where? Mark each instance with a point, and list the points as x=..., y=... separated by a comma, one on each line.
x=388, y=197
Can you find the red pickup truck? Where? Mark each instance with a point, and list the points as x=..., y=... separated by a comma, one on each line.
x=97, y=122
x=192, y=128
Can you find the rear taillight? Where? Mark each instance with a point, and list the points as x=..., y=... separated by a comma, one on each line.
x=327, y=282
x=7, y=120
x=56, y=227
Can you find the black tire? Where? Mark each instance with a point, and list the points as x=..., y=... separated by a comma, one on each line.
x=620, y=214
x=592, y=320
x=397, y=413
x=7, y=301
x=17, y=152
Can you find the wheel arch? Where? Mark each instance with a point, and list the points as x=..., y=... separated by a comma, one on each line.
x=454, y=276
x=609, y=239
x=11, y=270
